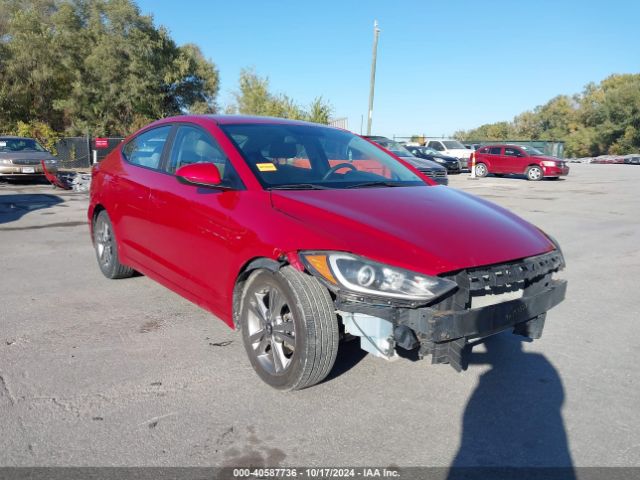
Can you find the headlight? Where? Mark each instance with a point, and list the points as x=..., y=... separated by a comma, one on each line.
x=366, y=277
x=5, y=161
x=51, y=161
x=548, y=163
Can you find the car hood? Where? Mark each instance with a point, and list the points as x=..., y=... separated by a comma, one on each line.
x=548, y=158
x=459, y=152
x=422, y=163
x=445, y=157
x=430, y=229
x=26, y=156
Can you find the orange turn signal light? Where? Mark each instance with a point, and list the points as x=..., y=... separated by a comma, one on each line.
x=319, y=262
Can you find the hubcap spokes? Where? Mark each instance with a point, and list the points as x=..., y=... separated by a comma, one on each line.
x=271, y=330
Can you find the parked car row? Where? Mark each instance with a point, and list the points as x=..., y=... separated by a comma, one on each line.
x=451, y=148
x=427, y=166
x=452, y=164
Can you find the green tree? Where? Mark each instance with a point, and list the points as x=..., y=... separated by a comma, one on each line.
x=604, y=118
x=99, y=65
x=254, y=98
x=40, y=131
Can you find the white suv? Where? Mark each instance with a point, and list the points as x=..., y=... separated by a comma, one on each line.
x=452, y=148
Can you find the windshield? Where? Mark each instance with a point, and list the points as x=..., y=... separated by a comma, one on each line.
x=531, y=150
x=430, y=151
x=311, y=157
x=20, y=145
x=451, y=144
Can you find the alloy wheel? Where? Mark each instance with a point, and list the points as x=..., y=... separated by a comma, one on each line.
x=271, y=330
x=104, y=243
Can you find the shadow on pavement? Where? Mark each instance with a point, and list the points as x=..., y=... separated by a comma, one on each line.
x=513, y=418
x=14, y=207
x=349, y=355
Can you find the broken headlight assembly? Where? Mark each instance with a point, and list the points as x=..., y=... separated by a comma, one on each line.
x=367, y=278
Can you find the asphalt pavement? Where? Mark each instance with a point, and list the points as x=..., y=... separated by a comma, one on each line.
x=96, y=372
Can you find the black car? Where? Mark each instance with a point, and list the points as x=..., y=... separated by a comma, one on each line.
x=431, y=169
x=450, y=163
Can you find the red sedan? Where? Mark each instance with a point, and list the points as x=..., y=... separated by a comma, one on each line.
x=300, y=235
x=517, y=159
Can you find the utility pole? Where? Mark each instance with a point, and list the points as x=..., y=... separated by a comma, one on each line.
x=372, y=83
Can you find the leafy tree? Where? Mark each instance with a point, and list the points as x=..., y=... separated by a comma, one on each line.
x=99, y=65
x=40, y=131
x=254, y=98
x=604, y=118
x=319, y=111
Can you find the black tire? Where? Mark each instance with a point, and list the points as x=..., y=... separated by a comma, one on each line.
x=295, y=346
x=481, y=170
x=534, y=173
x=106, y=247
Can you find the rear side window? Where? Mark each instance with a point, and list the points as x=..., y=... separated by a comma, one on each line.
x=495, y=150
x=146, y=149
x=194, y=145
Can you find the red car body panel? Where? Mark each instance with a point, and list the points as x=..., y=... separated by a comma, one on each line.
x=197, y=240
x=508, y=164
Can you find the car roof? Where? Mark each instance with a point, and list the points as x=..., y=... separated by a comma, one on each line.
x=239, y=119
x=502, y=145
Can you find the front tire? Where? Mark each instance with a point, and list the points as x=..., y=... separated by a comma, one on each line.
x=534, y=173
x=481, y=170
x=106, y=247
x=289, y=328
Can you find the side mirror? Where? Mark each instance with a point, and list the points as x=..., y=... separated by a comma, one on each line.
x=200, y=175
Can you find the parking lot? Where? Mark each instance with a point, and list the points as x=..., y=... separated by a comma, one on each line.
x=99, y=372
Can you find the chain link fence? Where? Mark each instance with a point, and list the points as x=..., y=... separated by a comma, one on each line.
x=77, y=152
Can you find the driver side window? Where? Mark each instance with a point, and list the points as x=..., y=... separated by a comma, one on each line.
x=194, y=145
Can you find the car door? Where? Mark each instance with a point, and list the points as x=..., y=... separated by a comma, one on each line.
x=514, y=160
x=141, y=167
x=494, y=157
x=192, y=223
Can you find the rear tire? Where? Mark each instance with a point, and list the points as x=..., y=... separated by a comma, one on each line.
x=106, y=247
x=534, y=173
x=289, y=328
x=481, y=170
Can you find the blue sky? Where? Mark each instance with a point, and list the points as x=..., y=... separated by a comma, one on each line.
x=442, y=66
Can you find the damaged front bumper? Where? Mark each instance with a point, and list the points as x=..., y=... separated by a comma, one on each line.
x=443, y=329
